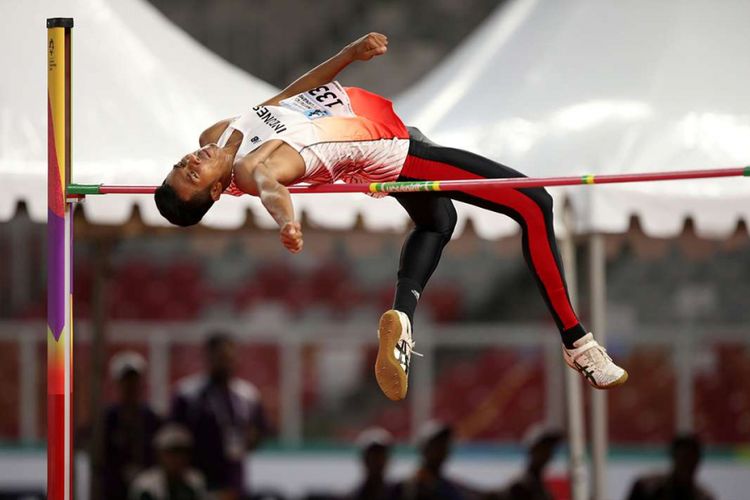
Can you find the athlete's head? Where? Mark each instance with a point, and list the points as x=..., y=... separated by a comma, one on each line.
x=193, y=185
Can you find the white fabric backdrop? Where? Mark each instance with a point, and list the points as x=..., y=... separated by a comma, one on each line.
x=551, y=88
x=605, y=86
x=142, y=92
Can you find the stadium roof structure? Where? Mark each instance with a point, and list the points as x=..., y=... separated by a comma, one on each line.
x=601, y=87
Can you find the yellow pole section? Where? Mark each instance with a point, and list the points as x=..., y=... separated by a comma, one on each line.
x=59, y=265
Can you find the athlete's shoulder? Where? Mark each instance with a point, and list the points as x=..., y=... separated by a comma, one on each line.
x=279, y=160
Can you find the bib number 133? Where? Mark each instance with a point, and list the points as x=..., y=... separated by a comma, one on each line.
x=325, y=97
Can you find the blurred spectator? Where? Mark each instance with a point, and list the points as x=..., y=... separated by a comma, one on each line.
x=224, y=415
x=679, y=483
x=172, y=478
x=434, y=441
x=541, y=444
x=375, y=445
x=129, y=427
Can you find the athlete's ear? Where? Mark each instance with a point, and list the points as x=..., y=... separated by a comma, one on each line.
x=216, y=191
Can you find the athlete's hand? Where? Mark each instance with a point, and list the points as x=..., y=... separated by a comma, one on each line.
x=291, y=236
x=367, y=47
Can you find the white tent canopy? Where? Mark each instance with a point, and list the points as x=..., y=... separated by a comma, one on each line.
x=595, y=87
x=143, y=91
x=550, y=88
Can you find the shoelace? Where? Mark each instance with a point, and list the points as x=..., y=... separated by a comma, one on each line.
x=404, y=350
x=591, y=357
x=411, y=345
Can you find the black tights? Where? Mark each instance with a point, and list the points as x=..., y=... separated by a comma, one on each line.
x=435, y=219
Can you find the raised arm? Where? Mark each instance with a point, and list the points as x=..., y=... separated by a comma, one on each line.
x=363, y=49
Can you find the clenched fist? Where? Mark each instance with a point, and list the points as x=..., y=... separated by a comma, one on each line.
x=367, y=47
x=291, y=236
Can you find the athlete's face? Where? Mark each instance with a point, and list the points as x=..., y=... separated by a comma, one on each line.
x=199, y=171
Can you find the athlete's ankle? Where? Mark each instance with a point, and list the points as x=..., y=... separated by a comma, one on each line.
x=570, y=335
x=407, y=296
x=409, y=316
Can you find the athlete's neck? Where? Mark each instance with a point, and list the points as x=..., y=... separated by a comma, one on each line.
x=230, y=148
x=233, y=143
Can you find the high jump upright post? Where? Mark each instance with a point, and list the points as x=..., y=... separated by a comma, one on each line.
x=59, y=264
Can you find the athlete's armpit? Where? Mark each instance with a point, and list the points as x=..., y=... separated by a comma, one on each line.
x=212, y=133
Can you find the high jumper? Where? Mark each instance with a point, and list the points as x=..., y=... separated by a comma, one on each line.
x=317, y=132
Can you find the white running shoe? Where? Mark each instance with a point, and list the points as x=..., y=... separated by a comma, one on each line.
x=592, y=361
x=395, y=350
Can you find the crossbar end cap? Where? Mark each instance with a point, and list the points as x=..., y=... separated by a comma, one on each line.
x=60, y=22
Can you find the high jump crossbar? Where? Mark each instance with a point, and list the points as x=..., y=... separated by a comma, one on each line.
x=62, y=195
x=454, y=185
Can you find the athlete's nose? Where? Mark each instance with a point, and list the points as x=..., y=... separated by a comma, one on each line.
x=188, y=161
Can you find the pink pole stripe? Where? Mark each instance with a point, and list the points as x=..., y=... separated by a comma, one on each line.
x=462, y=185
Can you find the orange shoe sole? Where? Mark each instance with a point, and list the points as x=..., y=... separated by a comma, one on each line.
x=388, y=372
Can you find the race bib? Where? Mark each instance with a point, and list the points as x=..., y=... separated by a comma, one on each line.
x=327, y=100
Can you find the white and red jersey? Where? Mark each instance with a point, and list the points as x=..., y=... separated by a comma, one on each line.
x=343, y=134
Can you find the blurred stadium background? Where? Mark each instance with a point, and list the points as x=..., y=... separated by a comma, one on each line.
x=677, y=314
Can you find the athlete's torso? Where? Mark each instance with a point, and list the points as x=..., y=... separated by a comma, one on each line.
x=348, y=134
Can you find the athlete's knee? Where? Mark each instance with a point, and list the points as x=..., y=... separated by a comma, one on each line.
x=448, y=221
x=442, y=221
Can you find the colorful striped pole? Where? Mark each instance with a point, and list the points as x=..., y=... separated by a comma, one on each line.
x=455, y=185
x=59, y=264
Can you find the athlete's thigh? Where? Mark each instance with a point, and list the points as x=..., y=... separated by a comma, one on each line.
x=429, y=210
x=451, y=163
x=446, y=162
x=474, y=163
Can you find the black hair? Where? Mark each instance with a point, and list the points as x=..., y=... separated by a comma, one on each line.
x=216, y=340
x=179, y=212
